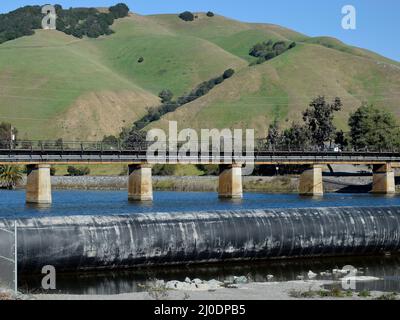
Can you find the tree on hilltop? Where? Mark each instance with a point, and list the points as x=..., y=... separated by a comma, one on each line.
x=120, y=10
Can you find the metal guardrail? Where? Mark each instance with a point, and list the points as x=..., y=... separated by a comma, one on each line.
x=8, y=256
x=261, y=145
x=25, y=151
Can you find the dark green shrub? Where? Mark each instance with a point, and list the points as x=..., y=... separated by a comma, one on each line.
x=279, y=47
x=53, y=171
x=219, y=80
x=228, y=73
x=120, y=10
x=78, y=22
x=110, y=142
x=210, y=14
x=164, y=170
x=165, y=95
x=140, y=60
x=78, y=171
x=208, y=170
x=186, y=16
x=268, y=50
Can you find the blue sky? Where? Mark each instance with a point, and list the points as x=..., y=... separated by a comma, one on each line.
x=378, y=21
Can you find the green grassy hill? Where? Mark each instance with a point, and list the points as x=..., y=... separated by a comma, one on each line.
x=53, y=85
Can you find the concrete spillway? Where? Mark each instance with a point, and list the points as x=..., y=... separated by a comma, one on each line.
x=83, y=242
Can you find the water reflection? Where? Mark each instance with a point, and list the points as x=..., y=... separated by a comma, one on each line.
x=41, y=207
x=117, y=282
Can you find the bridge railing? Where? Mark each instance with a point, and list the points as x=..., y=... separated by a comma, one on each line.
x=8, y=255
x=261, y=145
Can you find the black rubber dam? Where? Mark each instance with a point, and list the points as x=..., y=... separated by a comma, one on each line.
x=106, y=242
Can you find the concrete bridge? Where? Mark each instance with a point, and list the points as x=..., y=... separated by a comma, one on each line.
x=38, y=156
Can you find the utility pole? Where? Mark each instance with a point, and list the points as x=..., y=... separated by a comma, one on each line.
x=12, y=136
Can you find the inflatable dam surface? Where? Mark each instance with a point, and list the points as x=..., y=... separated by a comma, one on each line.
x=106, y=242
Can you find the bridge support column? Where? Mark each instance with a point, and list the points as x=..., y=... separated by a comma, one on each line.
x=230, y=182
x=311, y=182
x=38, y=187
x=384, y=179
x=140, y=185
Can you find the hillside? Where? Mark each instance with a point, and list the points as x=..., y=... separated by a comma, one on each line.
x=54, y=85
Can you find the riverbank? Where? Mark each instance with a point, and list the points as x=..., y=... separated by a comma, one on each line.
x=276, y=184
x=266, y=291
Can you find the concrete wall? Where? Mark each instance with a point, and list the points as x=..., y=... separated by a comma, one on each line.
x=38, y=188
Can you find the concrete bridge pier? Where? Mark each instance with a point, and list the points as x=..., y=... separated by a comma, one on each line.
x=230, y=182
x=140, y=185
x=38, y=187
x=384, y=179
x=311, y=183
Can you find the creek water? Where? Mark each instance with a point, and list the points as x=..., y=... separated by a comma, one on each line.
x=104, y=203
x=100, y=203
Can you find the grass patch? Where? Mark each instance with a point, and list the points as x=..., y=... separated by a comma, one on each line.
x=97, y=170
x=364, y=294
x=277, y=185
x=334, y=292
x=388, y=296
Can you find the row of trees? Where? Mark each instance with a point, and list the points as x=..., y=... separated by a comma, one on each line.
x=189, y=16
x=268, y=50
x=370, y=128
x=169, y=105
x=78, y=22
x=89, y=22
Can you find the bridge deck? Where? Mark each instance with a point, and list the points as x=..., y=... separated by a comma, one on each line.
x=67, y=157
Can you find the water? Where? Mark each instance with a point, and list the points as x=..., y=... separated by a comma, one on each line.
x=119, y=282
x=67, y=203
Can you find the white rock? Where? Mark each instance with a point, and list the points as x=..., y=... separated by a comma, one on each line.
x=340, y=271
x=183, y=286
x=172, y=285
x=160, y=283
x=325, y=274
x=197, y=281
x=215, y=281
x=311, y=275
x=270, y=277
x=240, y=280
x=361, y=279
x=187, y=280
